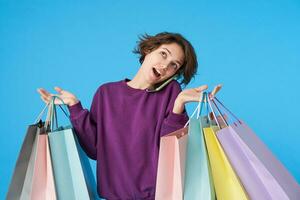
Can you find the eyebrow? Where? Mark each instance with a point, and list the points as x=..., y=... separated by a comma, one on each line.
x=171, y=54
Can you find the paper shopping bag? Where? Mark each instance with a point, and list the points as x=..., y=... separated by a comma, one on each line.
x=227, y=184
x=22, y=169
x=171, y=166
x=72, y=171
x=198, y=179
x=43, y=181
x=262, y=175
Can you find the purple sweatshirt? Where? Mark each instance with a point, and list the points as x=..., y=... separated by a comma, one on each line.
x=122, y=132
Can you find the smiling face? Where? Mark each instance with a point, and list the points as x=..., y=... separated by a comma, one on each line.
x=162, y=63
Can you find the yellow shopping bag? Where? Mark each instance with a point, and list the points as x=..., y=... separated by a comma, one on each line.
x=227, y=184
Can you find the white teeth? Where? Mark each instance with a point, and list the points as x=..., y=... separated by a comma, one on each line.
x=158, y=71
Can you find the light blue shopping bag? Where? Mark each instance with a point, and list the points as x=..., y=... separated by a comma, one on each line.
x=198, y=179
x=72, y=171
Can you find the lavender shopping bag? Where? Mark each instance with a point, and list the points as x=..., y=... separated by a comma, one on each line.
x=261, y=173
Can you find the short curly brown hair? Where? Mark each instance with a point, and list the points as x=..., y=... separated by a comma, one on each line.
x=148, y=43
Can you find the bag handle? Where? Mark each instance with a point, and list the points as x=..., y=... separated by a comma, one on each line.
x=206, y=103
x=52, y=113
x=63, y=103
x=52, y=118
x=228, y=111
x=49, y=116
x=39, y=117
x=198, y=109
x=214, y=114
x=220, y=113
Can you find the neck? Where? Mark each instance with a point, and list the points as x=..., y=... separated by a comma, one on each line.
x=138, y=82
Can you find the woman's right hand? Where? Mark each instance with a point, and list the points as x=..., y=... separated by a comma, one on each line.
x=68, y=98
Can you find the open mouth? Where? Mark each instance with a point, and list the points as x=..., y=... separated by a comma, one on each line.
x=156, y=73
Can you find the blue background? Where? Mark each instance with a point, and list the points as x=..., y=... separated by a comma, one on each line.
x=252, y=47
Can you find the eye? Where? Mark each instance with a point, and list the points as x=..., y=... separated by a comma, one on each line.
x=174, y=65
x=163, y=54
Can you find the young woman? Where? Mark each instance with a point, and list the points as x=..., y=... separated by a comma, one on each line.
x=122, y=129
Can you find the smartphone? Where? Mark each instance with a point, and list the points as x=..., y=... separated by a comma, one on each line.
x=160, y=86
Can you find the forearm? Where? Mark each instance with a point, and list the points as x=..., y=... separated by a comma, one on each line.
x=178, y=105
x=85, y=128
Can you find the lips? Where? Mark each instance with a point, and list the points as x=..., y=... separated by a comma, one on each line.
x=156, y=73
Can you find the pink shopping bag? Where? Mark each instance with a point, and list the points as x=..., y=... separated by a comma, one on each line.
x=43, y=182
x=171, y=166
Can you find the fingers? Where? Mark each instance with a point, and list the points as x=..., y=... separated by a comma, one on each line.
x=45, y=95
x=43, y=91
x=201, y=88
x=58, y=89
x=215, y=90
x=44, y=100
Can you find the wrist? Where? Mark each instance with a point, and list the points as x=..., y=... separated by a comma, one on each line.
x=178, y=105
x=73, y=102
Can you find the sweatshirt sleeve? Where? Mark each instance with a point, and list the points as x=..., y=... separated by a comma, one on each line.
x=173, y=121
x=85, y=125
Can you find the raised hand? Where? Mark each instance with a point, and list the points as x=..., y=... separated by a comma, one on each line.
x=192, y=95
x=67, y=97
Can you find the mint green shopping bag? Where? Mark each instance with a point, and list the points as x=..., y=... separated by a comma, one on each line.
x=198, y=179
x=72, y=171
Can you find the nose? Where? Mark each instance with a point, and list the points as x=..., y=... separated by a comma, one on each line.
x=164, y=69
x=166, y=64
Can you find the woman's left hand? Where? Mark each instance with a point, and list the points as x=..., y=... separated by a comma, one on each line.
x=191, y=95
